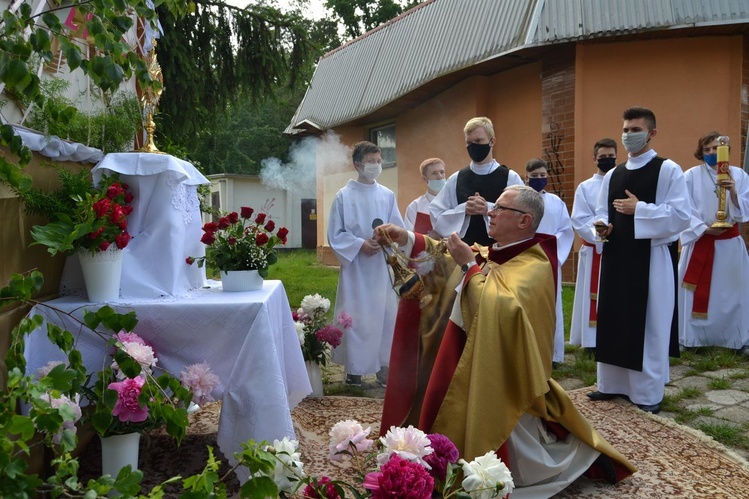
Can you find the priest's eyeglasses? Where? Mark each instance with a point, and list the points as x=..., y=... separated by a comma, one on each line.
x=498, y=207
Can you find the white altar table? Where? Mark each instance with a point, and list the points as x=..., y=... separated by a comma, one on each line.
x=248, y=339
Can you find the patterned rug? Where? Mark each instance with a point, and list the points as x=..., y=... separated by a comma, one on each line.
x=673, y=460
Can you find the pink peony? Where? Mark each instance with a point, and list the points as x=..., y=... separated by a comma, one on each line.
x=444, y=453
x=346, y=433
x=330, y=335
x=400, y=478
x=127, y=337
x=142, y=353
x=199, y=379
x=127, y=407
x=344, y=320
x=46, y=368
x=324, y=490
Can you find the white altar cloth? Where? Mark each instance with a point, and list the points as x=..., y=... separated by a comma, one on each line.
x=248, y=339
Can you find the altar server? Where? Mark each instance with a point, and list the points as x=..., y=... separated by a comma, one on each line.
x=417, y=214
x=555, y=222
x=642, y=208
x=364, y=288
x=714, y=265
x=584, y=309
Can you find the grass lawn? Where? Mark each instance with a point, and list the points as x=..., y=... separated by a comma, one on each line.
x=302, y=275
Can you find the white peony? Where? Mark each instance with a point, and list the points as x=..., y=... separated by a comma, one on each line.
x=483, y=474
x=310, y=303
x=289, y=468
x=300, y=331
x=409, y=443
x=71, y=412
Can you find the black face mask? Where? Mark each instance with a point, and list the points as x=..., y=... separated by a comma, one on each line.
x=478, y=152
x=606, y=164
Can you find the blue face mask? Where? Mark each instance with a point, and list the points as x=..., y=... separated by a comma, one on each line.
x=711, y=159
x=538, y=184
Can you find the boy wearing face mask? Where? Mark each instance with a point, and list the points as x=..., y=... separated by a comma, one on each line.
x=714, y=265
x=584, y=309
x=642, y=208
x=463, y=205
x=556, y=222
x=417, y=214
x=364, y=288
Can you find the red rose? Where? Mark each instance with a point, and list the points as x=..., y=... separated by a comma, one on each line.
x=246, y=211
x=128, y=197
x=113, y=191
x=123, y=223
x=210, y=227
x=283, y=241
x=282, y=233
x=270, y=226
x=96, y=233
x=122, y=240
x=189, y=260
x=233, y=217
x=223, y=223
x=117, y=214
x=127, y=210
x=208, y=238
x=104, y=246
x=125, y=186
x=101, y=207
x=232, y=241
x=260, y=218
x=261, y=239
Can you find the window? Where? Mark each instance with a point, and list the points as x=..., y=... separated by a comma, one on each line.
x=384, y=137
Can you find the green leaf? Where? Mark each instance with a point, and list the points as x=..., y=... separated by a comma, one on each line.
x=100, y=421
x=15, y=72
x=259, y=487
x=128, y=481
x=21, y=425
x=73, y=56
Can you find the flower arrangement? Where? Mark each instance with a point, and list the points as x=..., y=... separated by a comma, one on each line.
x=409, y=464
x=133, y=394
x=92, y=220
x=239, y=242
x=316, y=336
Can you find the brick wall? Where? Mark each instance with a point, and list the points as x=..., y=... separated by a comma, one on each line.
x=558, y=132
x=744, y=117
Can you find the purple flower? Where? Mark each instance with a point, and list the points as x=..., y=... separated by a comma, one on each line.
x=199, y=379
x=444, y=453
x=324, y=490
x=344, y=320
x=330, y=335
x=127, y=407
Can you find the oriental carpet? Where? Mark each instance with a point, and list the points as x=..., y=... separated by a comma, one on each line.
x=673, y=460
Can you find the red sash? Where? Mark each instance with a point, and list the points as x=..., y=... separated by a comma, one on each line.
x=422, y=224
x=699, y=274
x=595, y=272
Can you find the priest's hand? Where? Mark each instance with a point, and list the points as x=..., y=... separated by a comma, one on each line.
x=389, y=232
x=476, y=205
x=460, y=251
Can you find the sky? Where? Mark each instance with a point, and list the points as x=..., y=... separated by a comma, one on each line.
x=312, y=9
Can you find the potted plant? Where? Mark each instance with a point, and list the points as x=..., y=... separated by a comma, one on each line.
x=92, y=222
x=241, y=248
x=317, y=335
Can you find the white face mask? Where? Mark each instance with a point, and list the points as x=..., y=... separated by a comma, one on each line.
x=634, y=142
x=436, y=185
x=371, y=171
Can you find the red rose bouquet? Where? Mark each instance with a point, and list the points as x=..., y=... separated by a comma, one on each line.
x=97, y=221
x=241, y=242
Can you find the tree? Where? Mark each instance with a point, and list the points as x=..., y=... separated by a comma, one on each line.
x=360, y=16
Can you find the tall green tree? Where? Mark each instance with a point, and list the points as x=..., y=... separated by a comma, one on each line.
x=360, y=16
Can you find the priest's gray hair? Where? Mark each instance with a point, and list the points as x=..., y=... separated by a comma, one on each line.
x=529, y=201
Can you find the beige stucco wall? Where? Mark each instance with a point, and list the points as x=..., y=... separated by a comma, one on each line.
x=693, y=85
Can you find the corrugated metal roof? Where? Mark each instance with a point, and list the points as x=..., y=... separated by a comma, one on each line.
x=439, y=37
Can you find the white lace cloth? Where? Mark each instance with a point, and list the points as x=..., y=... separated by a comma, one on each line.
x=165, y=226
x=248, y=338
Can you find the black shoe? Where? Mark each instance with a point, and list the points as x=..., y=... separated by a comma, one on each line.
x=598, y=396
x=554, y=365
x=382, y=377
x=606, y=465
x=353, y=379
x=652, y=409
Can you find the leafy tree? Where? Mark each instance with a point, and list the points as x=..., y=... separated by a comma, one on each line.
x=360, y=16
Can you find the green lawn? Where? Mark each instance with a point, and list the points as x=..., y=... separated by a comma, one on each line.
x=302, y=275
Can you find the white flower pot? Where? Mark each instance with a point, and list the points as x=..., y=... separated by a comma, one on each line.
x=118, y=451
x=102, y=273
x=241, y=280
x=315, y=379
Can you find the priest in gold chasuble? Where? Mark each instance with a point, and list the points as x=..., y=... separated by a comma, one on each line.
x=486, y=382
